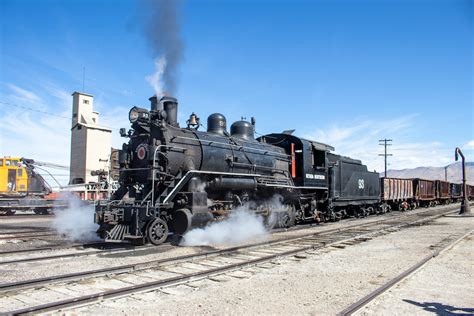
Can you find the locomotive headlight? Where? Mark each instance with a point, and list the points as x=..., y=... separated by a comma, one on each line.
x=133, y=115
x=138, y=114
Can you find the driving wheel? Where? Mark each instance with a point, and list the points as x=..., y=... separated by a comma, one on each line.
x=157, y=231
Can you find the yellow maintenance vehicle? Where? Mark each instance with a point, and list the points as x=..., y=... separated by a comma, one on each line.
x=22, y=188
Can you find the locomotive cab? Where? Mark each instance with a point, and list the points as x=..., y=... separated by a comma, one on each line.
x=308, y=166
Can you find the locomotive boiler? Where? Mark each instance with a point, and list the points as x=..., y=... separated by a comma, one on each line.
x=173, y=178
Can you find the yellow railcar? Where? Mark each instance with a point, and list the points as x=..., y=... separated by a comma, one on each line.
x=22, y=188
x=13, y=176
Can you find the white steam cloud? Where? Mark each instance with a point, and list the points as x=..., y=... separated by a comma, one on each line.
x=156, y=79
x=240, y=226
x=76, y=222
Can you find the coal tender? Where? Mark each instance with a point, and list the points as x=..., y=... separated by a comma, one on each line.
x=173, y=178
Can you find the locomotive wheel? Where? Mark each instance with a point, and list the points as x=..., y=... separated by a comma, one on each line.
x=157, y=231
x=288, y=218
x=182, y=221
x=269, y=221
x=370, y=210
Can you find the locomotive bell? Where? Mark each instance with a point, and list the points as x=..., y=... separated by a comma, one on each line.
x=193, y=121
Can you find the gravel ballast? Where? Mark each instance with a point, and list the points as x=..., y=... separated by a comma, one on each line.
x=326, y=282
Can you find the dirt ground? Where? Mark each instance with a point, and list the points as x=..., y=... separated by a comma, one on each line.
x=329, y=280
x=444, y=286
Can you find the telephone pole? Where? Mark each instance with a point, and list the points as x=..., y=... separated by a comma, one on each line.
x=385, y=142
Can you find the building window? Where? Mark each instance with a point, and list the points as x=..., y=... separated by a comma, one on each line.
x=79, y=127
x=74, y=115
x=85, y=101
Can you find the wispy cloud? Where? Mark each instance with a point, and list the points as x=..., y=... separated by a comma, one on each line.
x=469, y=145
x=30, y=134
x=21, y=95
x=360, y=139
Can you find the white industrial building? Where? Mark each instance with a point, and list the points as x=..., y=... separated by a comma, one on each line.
x=90, y=143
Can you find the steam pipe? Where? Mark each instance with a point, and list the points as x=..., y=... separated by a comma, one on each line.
x=465, y=208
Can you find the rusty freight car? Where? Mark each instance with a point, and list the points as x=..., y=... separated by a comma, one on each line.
x=424, y=192
x=455, y=191
x=397, y=194
x=442, y=192
x=470, y=192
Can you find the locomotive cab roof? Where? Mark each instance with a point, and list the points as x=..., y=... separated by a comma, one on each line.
x=277, y=138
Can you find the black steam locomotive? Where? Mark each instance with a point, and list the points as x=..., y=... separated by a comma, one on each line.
x=175, y=178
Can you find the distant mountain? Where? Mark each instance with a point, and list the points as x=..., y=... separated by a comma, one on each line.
x=454, y=173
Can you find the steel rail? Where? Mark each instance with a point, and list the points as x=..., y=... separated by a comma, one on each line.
x=55, y=247
x=371, y=296
x=24, y=216
x=38, y=230
x=52, y=247
x=28, y=236
x=125, y=248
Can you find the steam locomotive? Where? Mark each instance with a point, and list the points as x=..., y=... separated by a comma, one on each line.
x=173, y=178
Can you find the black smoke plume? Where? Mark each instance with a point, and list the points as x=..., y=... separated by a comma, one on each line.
x=162, y=30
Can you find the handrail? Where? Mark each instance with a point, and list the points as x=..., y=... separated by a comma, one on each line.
x=153, y=168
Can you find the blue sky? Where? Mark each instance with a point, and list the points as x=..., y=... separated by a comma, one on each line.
x=343, y=72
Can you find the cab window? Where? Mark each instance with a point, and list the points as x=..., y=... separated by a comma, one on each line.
x=15, y=162
x=319, y=158
x=20, y=172
x=1, y=162
x=7, y=162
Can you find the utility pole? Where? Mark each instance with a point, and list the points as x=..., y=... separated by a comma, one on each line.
x=385, y=142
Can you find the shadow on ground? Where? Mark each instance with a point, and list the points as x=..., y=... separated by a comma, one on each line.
x=442, y=309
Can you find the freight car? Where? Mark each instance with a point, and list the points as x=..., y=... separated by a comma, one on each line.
x=424, y=192
x=174, y=178
x=397, y=194
x=470, y=192
x=443, y=195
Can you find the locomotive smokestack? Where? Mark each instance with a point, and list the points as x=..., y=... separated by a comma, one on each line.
x=154, y=104
x=170, y=105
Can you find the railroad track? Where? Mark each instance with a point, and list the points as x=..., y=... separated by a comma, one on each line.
x=439, y=248
x=25, y=216
x=98, y=245
x=75, y=289
x=127, y=247
x=27, y=235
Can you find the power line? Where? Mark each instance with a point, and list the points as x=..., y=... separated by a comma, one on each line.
x=385, y=143
x=34, y=110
